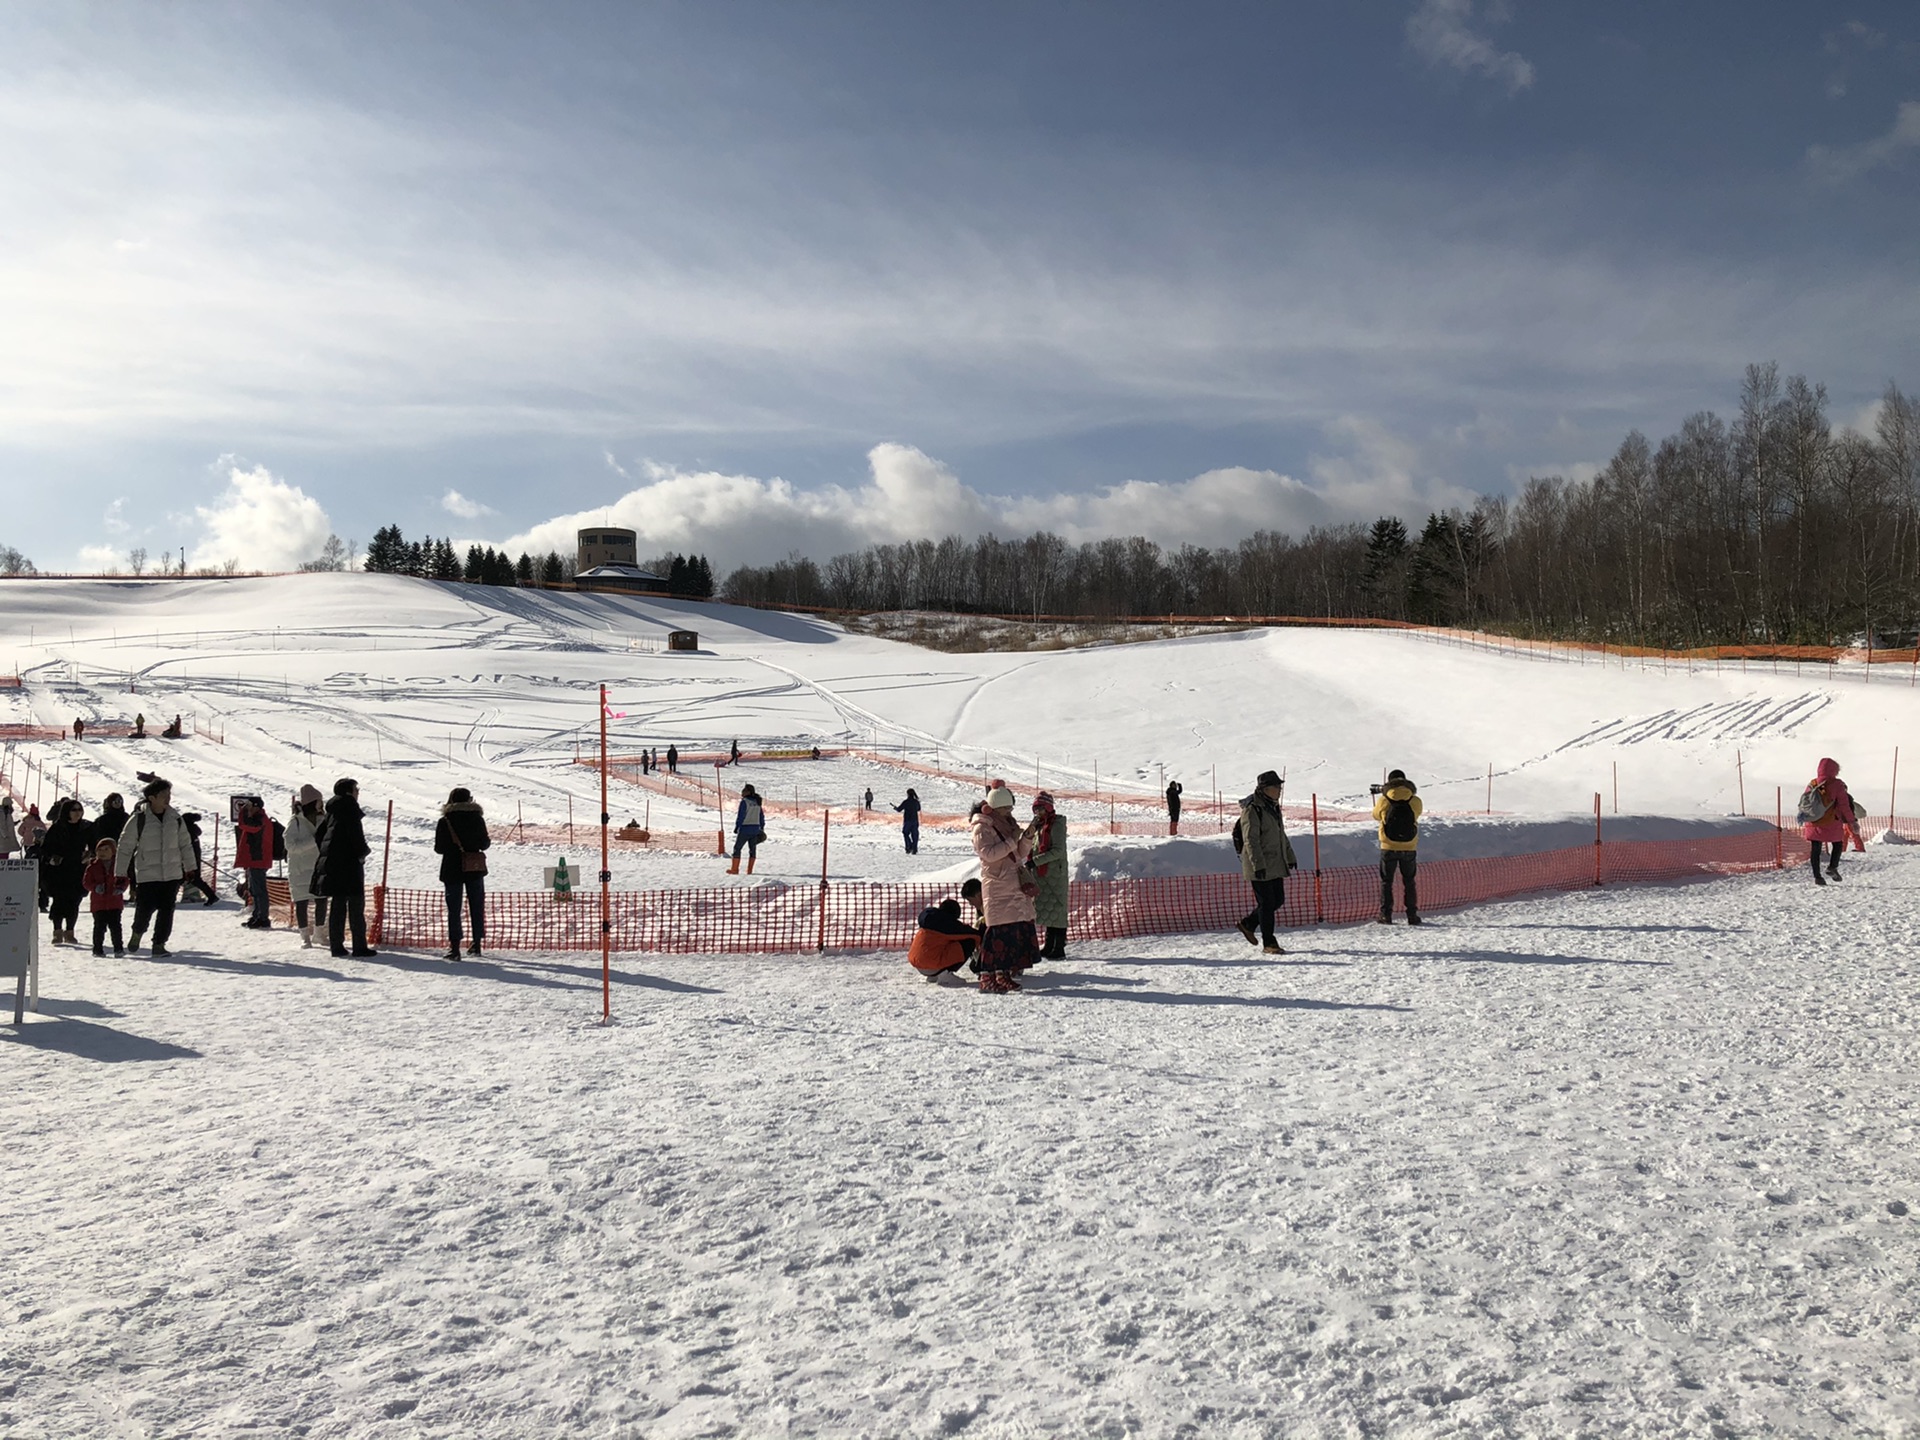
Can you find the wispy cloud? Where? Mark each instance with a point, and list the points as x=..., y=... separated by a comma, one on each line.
x=454, y=503
x=909, y=495
x=1441, y=32
x=113, y=521
x=1839, y=163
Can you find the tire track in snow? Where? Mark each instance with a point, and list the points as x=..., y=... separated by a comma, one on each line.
x=1751, y=719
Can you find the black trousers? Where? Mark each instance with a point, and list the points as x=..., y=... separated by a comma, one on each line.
x=347, y=906
x=1838, y=847
x=153, y=902
x=319, y=903
x=1401, y=861
x=474, y=888
x=1269, y=896
x=105, y=923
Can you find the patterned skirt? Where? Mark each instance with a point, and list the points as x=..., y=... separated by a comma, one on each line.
x=1009, y=947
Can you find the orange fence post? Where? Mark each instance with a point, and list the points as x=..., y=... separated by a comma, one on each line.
x=1740, y=773
x=1319, y=910
x=1893, y=795
x=1779, y=833
x=826, y=818
x=1597, y=879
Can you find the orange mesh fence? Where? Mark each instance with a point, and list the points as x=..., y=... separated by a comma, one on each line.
x=779, y=918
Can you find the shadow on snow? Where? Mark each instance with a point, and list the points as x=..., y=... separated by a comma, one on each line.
x=86, y=1041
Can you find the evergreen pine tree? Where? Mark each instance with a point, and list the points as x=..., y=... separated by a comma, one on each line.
x=473, y=571
x=523, y=569
x=551, y=570
x=446, y=565
x=677, y=576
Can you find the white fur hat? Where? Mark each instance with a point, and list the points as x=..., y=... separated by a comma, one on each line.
x=1000, y=798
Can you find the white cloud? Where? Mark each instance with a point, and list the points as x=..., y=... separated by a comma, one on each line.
x=741, y=519
x=1440, y=33
x=260, y=521
x=454, y=503
x=100, y=559
x=1844, y=162
x=114, y=520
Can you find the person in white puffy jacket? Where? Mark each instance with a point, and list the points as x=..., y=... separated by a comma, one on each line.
x=303, y=853
x=156, y=852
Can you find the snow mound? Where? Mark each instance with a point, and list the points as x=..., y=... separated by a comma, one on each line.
x=1440, y=839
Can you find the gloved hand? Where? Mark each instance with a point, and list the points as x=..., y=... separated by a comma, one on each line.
x=1259, y=874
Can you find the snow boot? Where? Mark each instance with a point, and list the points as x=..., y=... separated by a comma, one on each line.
x=750, y=863
x=474, y=948
x=1272, y=947
x=734, y=868
x=306, y=937
x=1818, y=878
x=1833, y=873
x=1245, y=927
x=453, y=953
x=1413, y=917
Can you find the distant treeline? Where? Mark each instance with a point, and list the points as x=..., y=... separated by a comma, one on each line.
x=391, y=553
x=1767, y=527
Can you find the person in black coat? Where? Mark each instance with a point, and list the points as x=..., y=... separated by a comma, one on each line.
x=340, y=872
x=462, y=832
x=909, y=809
x=111, y=820
x=64, y=855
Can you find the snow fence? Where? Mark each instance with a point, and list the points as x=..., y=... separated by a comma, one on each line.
x=779, y=918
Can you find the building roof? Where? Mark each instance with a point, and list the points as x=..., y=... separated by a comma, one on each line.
x=621, y=572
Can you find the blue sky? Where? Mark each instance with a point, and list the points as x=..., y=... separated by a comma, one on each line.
x=755, y=276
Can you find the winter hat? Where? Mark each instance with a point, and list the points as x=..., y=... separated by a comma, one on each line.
x=157, y=786
x=105, y=842
x=1393, y=775
x=1043, y=801
x=309, y=795
x=1000, y=798
x=460, y=795
x=1268, y=777
x=345, y=785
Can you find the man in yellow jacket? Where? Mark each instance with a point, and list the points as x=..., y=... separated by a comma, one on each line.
x=1396, y=808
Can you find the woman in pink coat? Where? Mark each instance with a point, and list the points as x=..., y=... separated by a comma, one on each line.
x=1009, y=944
x=1831, y=827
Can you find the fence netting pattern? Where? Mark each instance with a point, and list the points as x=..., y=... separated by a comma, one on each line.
x=779, y=918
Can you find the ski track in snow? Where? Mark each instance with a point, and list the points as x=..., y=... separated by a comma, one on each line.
x=1750, y=719
x=1617, y=1163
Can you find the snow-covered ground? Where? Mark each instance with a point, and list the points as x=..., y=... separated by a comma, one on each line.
x=416, y=687
x=1633, y=1163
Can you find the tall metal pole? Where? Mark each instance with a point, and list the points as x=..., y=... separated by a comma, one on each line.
x=1893, y=798
x=826, y=818
x=1319, y=910
x=606, y=880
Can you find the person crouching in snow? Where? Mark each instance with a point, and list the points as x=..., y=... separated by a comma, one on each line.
x=1050, y=875
x=1826, y=814
x=1003, y=847
x=943, y=942
x=106, y=897
x=1396, y=809
x=749, y=829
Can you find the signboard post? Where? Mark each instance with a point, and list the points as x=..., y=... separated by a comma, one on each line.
x=20, y=932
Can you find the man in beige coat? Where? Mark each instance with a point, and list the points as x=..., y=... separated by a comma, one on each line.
x=1009, y=944
x=1266, y=856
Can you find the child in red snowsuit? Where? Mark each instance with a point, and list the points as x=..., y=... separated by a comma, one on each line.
x=106, y=897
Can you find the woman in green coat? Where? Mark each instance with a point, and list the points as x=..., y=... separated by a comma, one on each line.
x=1050, y=875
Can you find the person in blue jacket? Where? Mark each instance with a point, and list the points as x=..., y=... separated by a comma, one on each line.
x=749, y=829
x=909, y=809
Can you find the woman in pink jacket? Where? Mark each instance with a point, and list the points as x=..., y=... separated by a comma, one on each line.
x=1831, y=827
x=1009, y=944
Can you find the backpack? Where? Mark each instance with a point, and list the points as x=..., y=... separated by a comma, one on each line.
x=279, y=841
x=1239, y=838
x=1399, y=825
x=1814, y=805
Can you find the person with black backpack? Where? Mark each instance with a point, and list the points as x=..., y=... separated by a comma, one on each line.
x=1266, y=858
x=1396, y=807
x=253, y=856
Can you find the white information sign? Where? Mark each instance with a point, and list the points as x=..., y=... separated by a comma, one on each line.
x=20, y=928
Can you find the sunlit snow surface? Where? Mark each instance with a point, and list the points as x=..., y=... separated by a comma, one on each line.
x=1637, y=1162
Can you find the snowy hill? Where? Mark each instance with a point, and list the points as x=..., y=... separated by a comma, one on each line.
x=415, y=687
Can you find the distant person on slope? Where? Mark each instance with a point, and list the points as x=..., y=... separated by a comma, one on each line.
x=1826, y=814
x=1174, y=790
x=173, y=731
x=673, y=759
x=155, y=853
x=909, y=810
x=340, y=872
x=1008, y=946
x=1049, y=866
x=461, y=841
x=139, y=731
x=749, y=829
x=869, y=798
x=303, y=850
x=1266, y=858
x=1396, y=808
